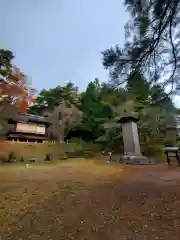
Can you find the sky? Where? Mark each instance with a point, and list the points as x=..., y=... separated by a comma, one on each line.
x=56, y=41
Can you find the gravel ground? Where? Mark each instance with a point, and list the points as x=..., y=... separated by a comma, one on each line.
x=84, y=200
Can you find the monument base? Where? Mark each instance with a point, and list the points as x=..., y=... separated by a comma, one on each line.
x=136, y=160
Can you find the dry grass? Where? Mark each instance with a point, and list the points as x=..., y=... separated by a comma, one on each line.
x=21, y=187
x=30, y=150
x=85, y=200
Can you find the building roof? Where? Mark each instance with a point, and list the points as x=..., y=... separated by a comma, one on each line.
x=128, y=119
x=30, y=118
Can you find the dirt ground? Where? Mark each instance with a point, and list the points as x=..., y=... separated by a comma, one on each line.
x=81, y=199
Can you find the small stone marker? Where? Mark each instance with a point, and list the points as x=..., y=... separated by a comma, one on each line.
x=110, y=157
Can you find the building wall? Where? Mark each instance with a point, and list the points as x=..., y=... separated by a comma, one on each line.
x=31, y=128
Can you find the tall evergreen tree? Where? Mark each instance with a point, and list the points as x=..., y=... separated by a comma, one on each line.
x=152, y=44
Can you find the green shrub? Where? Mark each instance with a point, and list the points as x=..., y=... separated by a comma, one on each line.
x=48, y=157
x=152, y=150
x=80, y=148
x=21, y=159
x=11, y=157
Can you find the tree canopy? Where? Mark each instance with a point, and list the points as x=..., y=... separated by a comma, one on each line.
x=151, y=47
x=143, y=75
x=92, y=115
x=14, y=85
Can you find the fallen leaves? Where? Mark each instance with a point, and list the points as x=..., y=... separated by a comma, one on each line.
x=82, y=200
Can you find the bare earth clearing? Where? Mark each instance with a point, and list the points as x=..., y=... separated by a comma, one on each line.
x=83, y=200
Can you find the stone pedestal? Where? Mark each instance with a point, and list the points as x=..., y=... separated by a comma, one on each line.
x=132, y=152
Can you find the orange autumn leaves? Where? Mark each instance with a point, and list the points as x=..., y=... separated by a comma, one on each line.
x=18, y=90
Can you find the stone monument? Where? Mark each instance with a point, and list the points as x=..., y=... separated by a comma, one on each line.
x=132, y=151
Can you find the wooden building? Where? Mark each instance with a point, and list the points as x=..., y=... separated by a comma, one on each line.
x=27, y=127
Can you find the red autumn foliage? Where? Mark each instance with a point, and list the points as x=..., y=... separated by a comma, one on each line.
x=17, y=88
